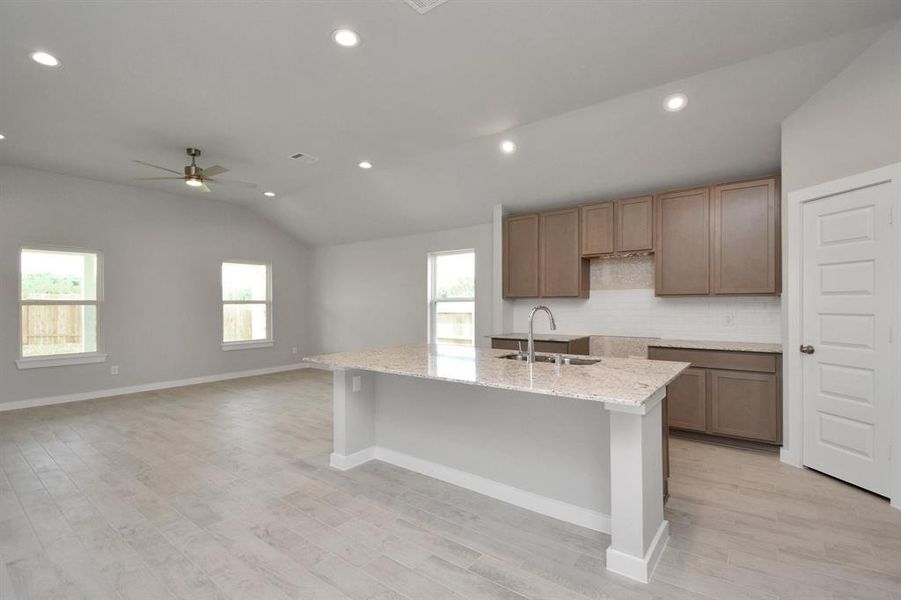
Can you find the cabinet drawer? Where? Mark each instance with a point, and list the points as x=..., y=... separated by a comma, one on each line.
x=717, y=359
x=745, y=405
x=542, y=346
x=686, y=401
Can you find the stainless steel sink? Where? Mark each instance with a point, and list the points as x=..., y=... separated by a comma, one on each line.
x=567, y=360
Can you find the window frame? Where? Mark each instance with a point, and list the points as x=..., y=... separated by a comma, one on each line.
x=433, y=300
x=249, y=344
x=60, y=360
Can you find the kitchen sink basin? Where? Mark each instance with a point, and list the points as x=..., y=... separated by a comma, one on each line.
x=545, y=358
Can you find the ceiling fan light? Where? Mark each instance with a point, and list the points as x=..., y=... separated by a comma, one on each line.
x=193, y=182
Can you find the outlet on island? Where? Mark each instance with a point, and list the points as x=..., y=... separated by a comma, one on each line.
x=114, y=370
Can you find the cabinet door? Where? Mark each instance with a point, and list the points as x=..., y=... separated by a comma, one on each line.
x=745, y=405
x=563, y=272
x=745, y=234
x=683, y=243
x=597, y=229
x=521, y=256
x=686, y=400
x=635, y=224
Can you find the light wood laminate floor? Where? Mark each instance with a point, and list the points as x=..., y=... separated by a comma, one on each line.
x=223, y=491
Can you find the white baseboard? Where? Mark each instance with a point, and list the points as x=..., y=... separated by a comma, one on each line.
x=146, y=387
x=344, y=462
x=550, y=507
x=639, y=568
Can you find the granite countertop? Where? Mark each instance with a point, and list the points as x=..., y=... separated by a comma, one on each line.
x=628, y=382
x=771, y=348
x=539, y=337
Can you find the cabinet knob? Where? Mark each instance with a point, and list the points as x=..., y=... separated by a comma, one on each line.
x=807, y=349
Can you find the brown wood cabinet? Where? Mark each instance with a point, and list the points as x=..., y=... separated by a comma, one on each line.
x=744, y=405
x=687, y=400
x=618, y=227
x=517, y=342
x=683, y=248
x=635, y=224
x=725, y=394
x=721, y=240
x=598, y=228
x=520, y=256
x=563, y=273
x=745, y=238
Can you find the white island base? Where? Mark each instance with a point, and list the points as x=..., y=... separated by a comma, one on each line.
x=594, y=464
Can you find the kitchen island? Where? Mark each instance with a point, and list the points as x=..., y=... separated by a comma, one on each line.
x=581, y=443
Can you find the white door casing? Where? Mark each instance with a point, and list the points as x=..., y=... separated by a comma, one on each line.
x=848, y=283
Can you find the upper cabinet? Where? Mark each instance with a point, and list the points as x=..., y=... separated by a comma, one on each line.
x=542, y=256
x=745, y=238
x=562, y=271
x=598, y=227
x=521, y=256
x=618, y=227
x=683, y=243
x=721, y=240
x=635, y=224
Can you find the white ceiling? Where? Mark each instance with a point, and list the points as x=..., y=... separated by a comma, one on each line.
x=424, y=97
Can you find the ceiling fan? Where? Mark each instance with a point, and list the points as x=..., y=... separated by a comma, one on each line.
x=195, y=176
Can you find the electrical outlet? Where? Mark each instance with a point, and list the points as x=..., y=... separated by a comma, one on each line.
x=114, y=370
x=294, y=350
x=357, y=383
x=729, y=320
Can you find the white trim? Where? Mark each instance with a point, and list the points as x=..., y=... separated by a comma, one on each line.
x=345, y=463
x=147, y=387
x=227, y=346
x=792, y=451
x=639, y=569
x=39, y=362
x=557, y=509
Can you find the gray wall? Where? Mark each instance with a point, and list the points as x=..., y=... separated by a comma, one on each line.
x=852, y=124
x=162, y=255
x=376, y=293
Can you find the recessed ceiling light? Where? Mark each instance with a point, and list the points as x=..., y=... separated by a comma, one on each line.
x=365, y=165
x=346, y=38
x=2, y=137
x=193, y=182
x=508, y=147
x=675, y=102
x=42, y=58
x=269, y=194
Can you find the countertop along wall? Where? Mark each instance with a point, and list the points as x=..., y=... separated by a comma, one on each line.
x=162, y=257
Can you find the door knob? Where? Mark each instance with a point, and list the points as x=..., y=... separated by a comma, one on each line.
x=807, y=349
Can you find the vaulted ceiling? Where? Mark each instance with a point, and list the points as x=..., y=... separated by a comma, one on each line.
x=427, y=98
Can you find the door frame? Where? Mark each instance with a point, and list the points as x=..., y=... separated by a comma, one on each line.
x=792, y=314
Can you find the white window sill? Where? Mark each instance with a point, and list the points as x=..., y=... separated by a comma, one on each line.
x=226, y=346
x=37, y=362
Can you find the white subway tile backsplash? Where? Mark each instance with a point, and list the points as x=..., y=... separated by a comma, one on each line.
x=638, y=313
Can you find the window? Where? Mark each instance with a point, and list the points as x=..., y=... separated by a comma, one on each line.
x=59, y=302
x=452, y=291
x=246, y=305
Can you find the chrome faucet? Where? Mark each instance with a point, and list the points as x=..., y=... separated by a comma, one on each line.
x=530, y=356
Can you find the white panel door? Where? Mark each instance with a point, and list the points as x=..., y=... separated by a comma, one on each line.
x=848, y=282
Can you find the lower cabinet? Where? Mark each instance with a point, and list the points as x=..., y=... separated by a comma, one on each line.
x=725, y=394
x=572, y=346
x=745, y=405
x=686, y=399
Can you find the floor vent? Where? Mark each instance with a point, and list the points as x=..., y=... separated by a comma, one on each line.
x=306, y=159
x=424, y=6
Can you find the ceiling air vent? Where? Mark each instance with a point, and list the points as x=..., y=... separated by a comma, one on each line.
x=424, y=6
x=306, y=159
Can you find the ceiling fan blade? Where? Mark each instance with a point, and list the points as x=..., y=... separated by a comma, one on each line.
x=154, y=178
x=147, y=164
x=203, y=188
x=233, y=182
x=214, y=170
